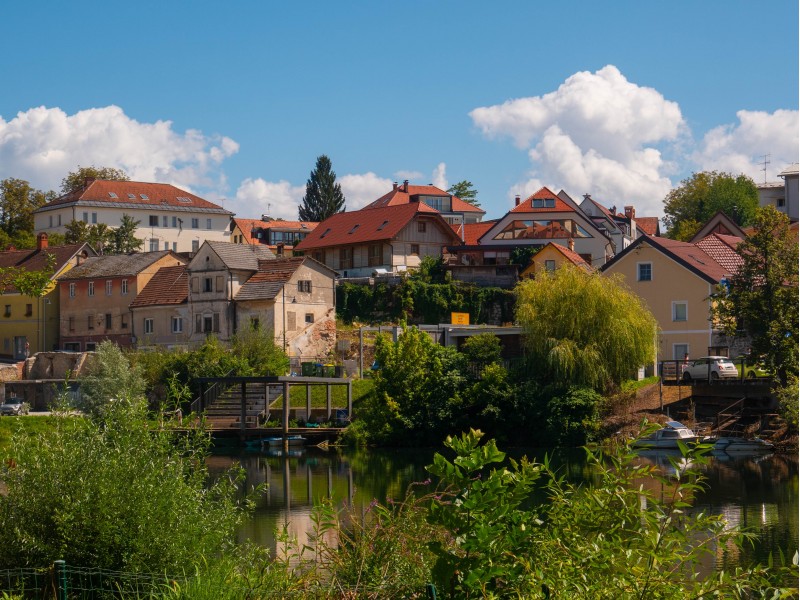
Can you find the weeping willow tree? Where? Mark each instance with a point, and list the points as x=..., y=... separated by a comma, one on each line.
x=586, y=330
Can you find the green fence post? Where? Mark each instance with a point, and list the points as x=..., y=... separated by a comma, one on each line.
x=60, y=570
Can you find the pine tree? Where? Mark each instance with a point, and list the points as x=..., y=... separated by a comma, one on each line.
x=324, y=196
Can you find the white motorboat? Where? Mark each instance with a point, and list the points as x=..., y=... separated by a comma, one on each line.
x=732, y=444
x=668, y=437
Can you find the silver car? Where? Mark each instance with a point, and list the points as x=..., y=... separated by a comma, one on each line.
x=715, y=367
x=14, y=406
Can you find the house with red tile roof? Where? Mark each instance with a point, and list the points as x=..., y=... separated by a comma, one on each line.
x=453, y=209
x=169, y=218
x=30, y=324
x=552, y=257
x=96, y=297
x=279, y=235
x=379, y=239
x=540, y=219
x=164, y=302
x=676, y=281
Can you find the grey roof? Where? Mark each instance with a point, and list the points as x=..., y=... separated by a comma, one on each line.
x=790, y=170
x=241, y=256
x=116, y=265
x=272, y=275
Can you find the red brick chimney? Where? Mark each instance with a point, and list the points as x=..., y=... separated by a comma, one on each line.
x=630, y=212
x=516, y=200
x=394, y=186
x=41, y=241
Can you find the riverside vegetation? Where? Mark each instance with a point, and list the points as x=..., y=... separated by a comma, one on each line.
x=117, y=490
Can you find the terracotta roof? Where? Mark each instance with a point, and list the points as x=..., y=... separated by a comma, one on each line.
x=135, y=194
x=116, y=265
x=36, y=260
x=722, y=248
x=572, y=256
x=362, y=226
x=474, y=231
x=543, y=194
x=649, y=225
x=239, y=256
x=246, y=226
x=170, y=285
x=270, y=278
x=398, y=196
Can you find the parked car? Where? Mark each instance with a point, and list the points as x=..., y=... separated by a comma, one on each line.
x=717, y=367
x=752, y=370
x=14, y=406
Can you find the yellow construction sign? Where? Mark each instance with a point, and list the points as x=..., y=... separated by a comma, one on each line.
x=459, y=318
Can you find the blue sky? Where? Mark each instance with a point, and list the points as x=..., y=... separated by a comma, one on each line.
x=235, y=101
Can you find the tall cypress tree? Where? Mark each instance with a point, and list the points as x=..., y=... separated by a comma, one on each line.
x=324, y=196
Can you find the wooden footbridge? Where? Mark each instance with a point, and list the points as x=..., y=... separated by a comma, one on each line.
x=239, y=408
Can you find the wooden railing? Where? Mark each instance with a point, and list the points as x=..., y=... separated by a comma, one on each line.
x=208, y=396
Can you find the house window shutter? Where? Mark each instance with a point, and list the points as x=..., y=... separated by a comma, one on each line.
x=198, y=324
x=195, y=284
x=220, y=283
x=216, y=322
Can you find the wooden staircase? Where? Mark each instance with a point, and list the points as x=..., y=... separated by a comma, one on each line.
x=225, y=411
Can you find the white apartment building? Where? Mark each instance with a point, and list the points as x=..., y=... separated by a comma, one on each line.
x=169, y=217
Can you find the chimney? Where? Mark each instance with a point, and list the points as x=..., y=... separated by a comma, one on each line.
x=41, y=241
x=394, y=186
x=571, y=244
x=516, y=200
x=87, y=181
x=405, y=185
x=630, y=212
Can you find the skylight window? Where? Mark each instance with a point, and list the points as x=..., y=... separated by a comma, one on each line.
x=132, y=196
x=184, y=199
x=327, y=231
x=384, y=224
x=113, y=195
x=353, y=230
x=144, y=197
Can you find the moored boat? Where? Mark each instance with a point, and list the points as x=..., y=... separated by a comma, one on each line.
x=291, y=440
x=733, y=444
x=668, y=437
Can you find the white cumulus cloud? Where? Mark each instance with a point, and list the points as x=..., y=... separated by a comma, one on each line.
x=256, y=197
x=597, y=133
x=361, y=189
x=439, y=176
x=738, y=148
x=43, y=144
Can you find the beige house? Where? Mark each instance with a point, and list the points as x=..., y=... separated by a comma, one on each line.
x=216, y=273
x=382, y=239
x=676, y=281
x=162, y=310
x=295, y=298
x=96, y=297
x=169, y=218
x=551, y=257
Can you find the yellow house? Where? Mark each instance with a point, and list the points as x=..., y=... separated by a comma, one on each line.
x=676, y=281
x=29, y=324
x=553, y=256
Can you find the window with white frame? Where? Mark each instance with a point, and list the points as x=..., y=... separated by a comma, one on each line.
x=177, y=325
x=123, y=287
x=680, y=311
x=304, y=286
x=208, y=223
x=680, y=351
x=549, y=266
x=109, y=287
x=71, y=290
x=153, y=245
x=91, y=288
x=148, y=326
x=195, y=223
x=644, y=271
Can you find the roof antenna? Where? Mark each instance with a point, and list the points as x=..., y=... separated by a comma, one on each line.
x=765, y=161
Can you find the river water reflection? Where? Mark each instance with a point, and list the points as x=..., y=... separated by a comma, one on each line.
x=760, y=493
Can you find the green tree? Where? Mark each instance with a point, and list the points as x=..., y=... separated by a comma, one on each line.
x=483, y=349
x=257, y=346
x=585, y=330
x=75, y=180
x=99, y=236
x=33, y=284
x=465, y=191
x=761, y=299
x=18, y=200
x=123, y=239
x=324, y=196
x=119, y=493
x=701, y=196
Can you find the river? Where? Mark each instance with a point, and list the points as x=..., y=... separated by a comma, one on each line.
x=759, y=493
